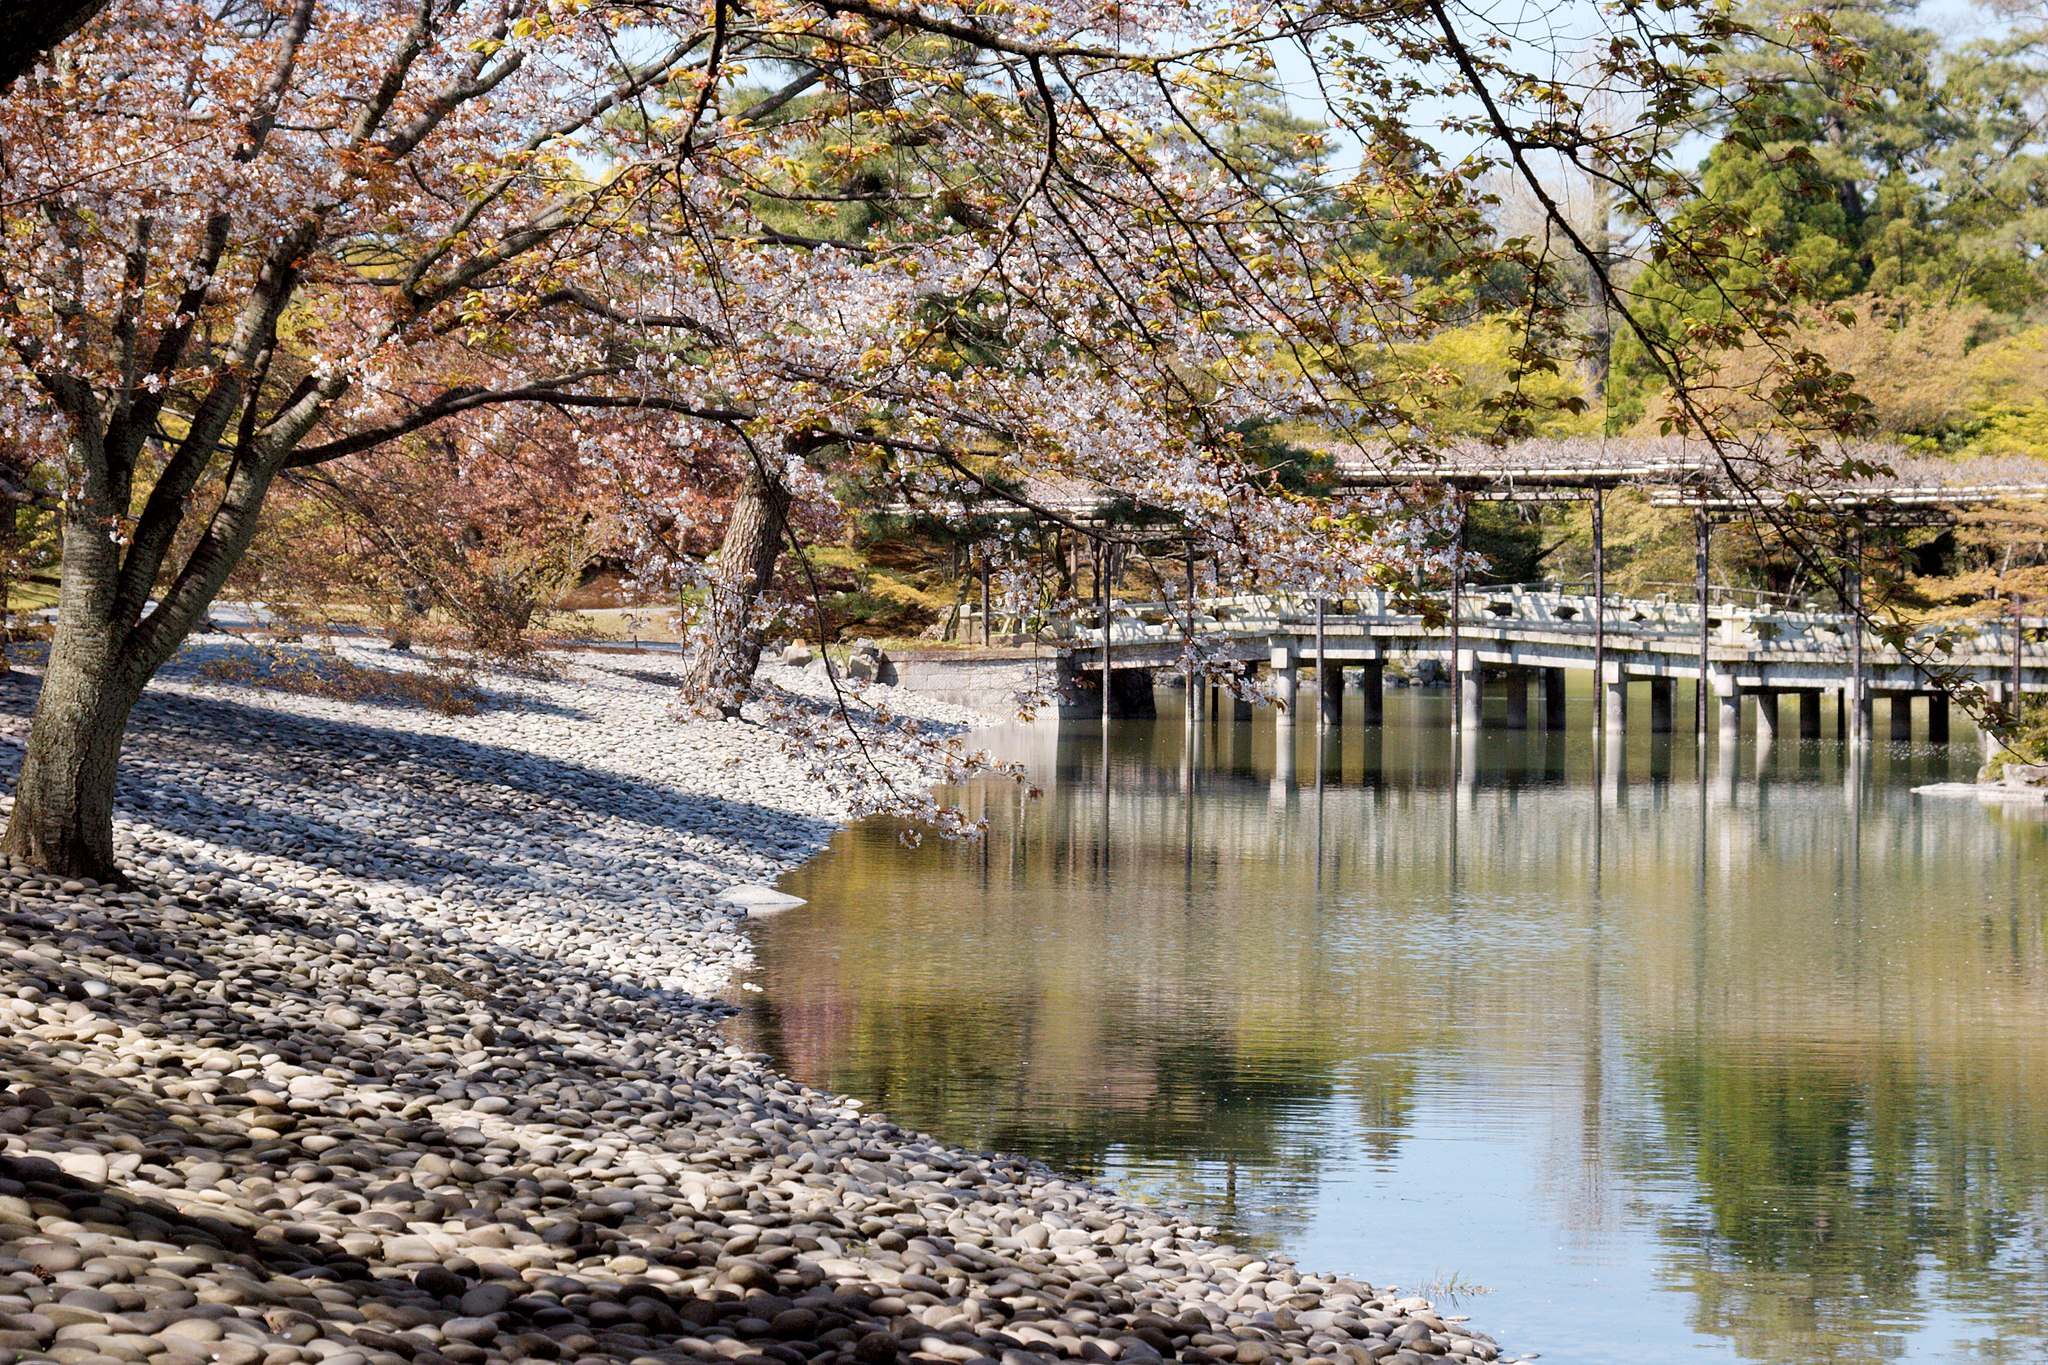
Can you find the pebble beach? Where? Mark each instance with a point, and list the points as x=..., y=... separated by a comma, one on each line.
x=402, y=1046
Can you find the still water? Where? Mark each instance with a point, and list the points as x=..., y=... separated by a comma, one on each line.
x=1630, y=1060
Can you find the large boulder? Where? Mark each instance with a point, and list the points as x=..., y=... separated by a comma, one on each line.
x=865, y=664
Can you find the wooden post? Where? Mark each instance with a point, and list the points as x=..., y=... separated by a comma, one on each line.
x=1322, y=671
x=1809, y=713
x=1937, y=717
x=2019, y=636
x=1102, y=586
x=1457, y=591
x=1599, y=608
x=1859, y=697
x=1194, y=695
x=1700, y=548
x=10, y=523
x=1902, y=717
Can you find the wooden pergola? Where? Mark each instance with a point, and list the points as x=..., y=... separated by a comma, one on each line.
x=1719, y=484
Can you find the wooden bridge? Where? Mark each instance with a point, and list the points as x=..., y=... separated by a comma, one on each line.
x=1509, y=637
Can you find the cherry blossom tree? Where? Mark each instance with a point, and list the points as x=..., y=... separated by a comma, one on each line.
x=947, y=248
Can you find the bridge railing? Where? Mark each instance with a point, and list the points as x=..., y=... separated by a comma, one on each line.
x=1763, y=627
x=1541, y=605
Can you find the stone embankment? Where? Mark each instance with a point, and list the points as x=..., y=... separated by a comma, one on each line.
x=396, y=1052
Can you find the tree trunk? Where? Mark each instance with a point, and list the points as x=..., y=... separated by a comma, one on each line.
x=64, y=802
x=725, y=645
x=63, y=818
x=102, y=656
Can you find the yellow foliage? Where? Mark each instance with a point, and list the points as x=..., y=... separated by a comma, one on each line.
x=2007, y=390
x=1460, y=377
x=1928, y=374
x=1906, y=358
x=836, y=557
x=2020, y=432
x=893, y=589
x=2011, y=372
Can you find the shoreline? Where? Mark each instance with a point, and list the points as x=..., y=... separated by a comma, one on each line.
x=403, y=1047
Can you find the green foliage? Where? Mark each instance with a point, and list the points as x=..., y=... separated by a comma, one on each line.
x=1240, y=113
x=2004, y=395
x=1511, y=538
x=1910, y=177
x=2025, y=742
x=1286, y=452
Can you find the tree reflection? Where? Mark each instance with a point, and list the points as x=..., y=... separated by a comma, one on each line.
x=1829, y=1188
x=1798, y=1060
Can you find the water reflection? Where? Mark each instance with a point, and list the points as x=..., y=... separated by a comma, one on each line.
x=1743, y=1058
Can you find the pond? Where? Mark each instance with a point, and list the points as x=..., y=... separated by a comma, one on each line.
x=1627, y=1059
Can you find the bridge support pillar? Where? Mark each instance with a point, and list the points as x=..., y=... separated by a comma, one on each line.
x=1937, y=717
x=1662, y=693
x=1518, y=699
x=1241, y=707
x=1372, y=684
x=1471, y=682
x=1766, y=714
x=1553, y=698
x=1860, y=727
x=1722, y=791
x=1614, y=772
x=1901, y=709
x=1283, y=767
x=1330, y=692
x=1728, y=708
x=1614, y=699
x=1809, y=713
x=1130, y=694
x=1286, y=685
